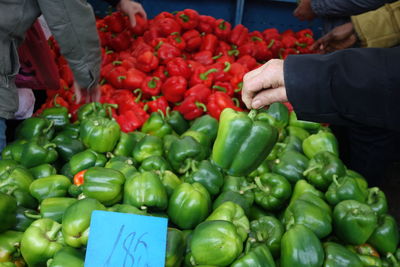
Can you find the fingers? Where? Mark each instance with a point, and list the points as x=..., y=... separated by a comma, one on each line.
x=132, y=20
x=95, y=94
x=78, y=93
x=141, y=11
x=269, y=96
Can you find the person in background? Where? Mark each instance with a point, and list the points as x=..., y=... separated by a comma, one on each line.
x=73, y=25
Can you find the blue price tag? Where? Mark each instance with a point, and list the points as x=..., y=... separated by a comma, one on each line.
x=121, y=239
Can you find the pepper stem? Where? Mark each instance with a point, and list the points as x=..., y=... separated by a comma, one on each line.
x=219, y=88
x=227, y=66
x=202, y=106
x=30, y=215
x=310, y=169
x=204, y=75
x=187, y=166
x=236, y=101
x=252, y=114
x=161, y=113
x=139, y=93
x=335, y=180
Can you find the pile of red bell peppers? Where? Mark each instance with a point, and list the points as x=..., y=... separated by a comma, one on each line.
x=189, y=62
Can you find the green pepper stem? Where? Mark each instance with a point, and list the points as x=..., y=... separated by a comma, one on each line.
x=227, y=66
x=139, y=93
x=236, y=101
x=252, y=114
x=240, y=86
x=49, y=145
x=51, y=124
x=161, y=114
x=217, y=56
x=260, y=185
x=373, y=194
x=202, y=106
x=311, y=169
x=219, y=88
x=203, y=76
x=335, y=180
x=187, y=166
x=30, y=215
x=110, y=155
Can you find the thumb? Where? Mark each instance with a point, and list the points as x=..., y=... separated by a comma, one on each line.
x=132, y=19
x=269, y=96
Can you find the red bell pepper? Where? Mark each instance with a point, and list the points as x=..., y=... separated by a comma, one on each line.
x=166, y=26
x=271, y=34
x=167, y=51
x=206, y=24
x=209, y=43
x=217, y=102
x=106, y=92
x=147, y=62
x=139, y=47
x=141, y=25
x=188, y=18
x=222, y=73
x=193, y=40
x=178, y=67
x=222, y=29
x=161, y=72
x=174, y=88
x=130, y=120
x=288, y=32
x=225, y=87
x=133, y=79
x=66, y=74
x=163, y=15
x=288, y=51
x=115, y=22
x=176, y=40
x=200, y=91
x=108, y=56
x=116, y=77
x=120, y=41
x=249, y=62
x=248, y=48
x=275, y=47
x=305, y=33
x=225, y=58
x=204, y=57
x=237, y=71
x=191, y=108
x=158, y=103
x=289, y=41
x=262, y=53
x=151, y=86
x=239, y=35
x=202, y=75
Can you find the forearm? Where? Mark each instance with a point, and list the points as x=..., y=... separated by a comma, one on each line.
x=344, y=8
x=349, y=87
x=73, y=25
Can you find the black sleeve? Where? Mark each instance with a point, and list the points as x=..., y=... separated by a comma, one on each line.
x=349, y=87
x=341, y=8
x=112, y=2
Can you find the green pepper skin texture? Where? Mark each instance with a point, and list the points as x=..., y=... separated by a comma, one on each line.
x=272, y=191
x=266, y=230
x=322, y=168
x=354, y=222
x=175, y=248
x=301, y=187
x=67, y=146
x=215, y=243
x=9, y=246
x=257, y=257
x=377, y=200
x=38, y=151
x=67, y=257
x=338, y=255
x=301, y=247
x=156, y=125
x=86, y=159
x=125, y=208
x=189, y=205
x=125, y=145
x=177, y=121
x=125, y=167
x=385, y=238
x=277, y=115
x=103, y=184
x=234, y=197
x=148, y=146
x=170, y=181
x=54, y=207
x=58, y=114
x=23, y=218
x=42, y=170
x=290, y=164
x=232, y=212
x=310, y=126
x=50, y=186
x=155, y=163
x=13, y=151
x=345, y=188
x=202, y=138
x=321, y=141
x=240, y=185
x=145, y=190
x=8, y=212
x=298, y=132
x=255, y=212
x=41, y=241
x=208, y=175
x=100, y=134
x=76, y=221
x=34, y=127
x=207, y=125
x=242, y=144
x=95, y=110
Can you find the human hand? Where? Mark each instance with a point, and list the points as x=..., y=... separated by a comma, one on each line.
x=92, y=95
x=340, y=37
x=304, y=11
x=131, y=8
x=264, y=85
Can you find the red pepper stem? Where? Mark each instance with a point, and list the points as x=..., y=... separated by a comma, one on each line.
x=139, y=93
x=184, y=17
x=236, y=101
x=227, y=66
x=103, y=81
x=256, y=38
x=117, y=62
x=145, y=107
x=153, y=82
x=222, y=25
x=158, y=45
x=240, y=86
x=233, y=52
x=217, y=56
x=219, y=88
x=55, y=101
x=271, y=43
x=121, y=78
x=202, y=106
x=303, y=45
x=109, y=52
x=204, y=75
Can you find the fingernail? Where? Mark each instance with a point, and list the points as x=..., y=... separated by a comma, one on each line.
x=256, y=104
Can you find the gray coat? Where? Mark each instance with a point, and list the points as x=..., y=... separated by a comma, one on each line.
x=73, y=25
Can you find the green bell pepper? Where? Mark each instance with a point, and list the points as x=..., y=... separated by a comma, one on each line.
x=145, y=190
x=9, y=246
x=176, y=121
x=321, y=141
x=148, y=146
x=8, y=212
x=189, y=205
x=278, y=115
x=322, y=168
x=103, y=184
x=167, y=142
x=261, y=169
x=345, y=188
x=367, y=255
x=353, y=221
x=76, y=221
x=242, y=144
x=154, y=163
x=38, y=151
x=385, y=238
x=301, y=247
x=156, y=125
x=175, y=248
x=41, y=241
x=302, y=187
x=377, y=200
x=34, y=127
x=233, y=197
x=67, y=146
x=95, y=110
x=266, y=230
x=291, y=164
x=85, y=160
x=125, y=208
x=257, y=257
x=125, y=145
x=206, y=174
x=183, y=152
x=55, y=207
x=58, y=114
x=170, y=181
x=23, y=218
x=42, y=170
x=71, y=130
x=240, y=185
x=13, y=151
x=125, y=167
x=338, y=255
x=100, y=134
x=232, y=212
x=272, y=191
x=215, y=243
x=202, y=138
x=255, y=212
x=15, y=181
x=52, y=186
x=297, y=132
x=207, y=125
x=67, y=257
x=307, y=125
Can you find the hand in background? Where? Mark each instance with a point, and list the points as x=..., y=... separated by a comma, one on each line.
x=131, y=8
x=264, y=85
x=304, y=11
x=340, y=37
x=92, y=95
